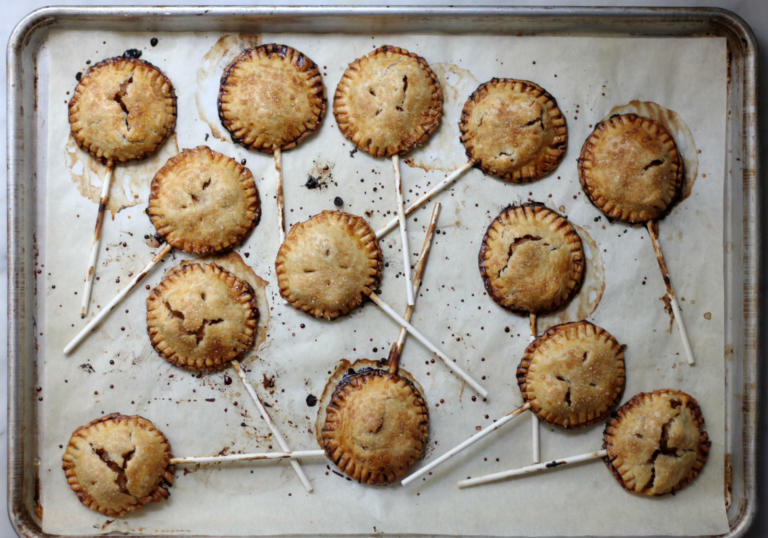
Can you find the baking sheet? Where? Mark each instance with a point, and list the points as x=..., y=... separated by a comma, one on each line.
x=117, y=370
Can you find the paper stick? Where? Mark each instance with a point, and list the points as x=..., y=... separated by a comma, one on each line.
x=653, y=232
x=98, y=318
x=294, y=455
x=279, y=187
x=495, y=477
x=535, y=436
x=429, y=345
x=273, y=428
x=103, y=199
x=403, y=233
x=426, y=197
x=393, y=361
x=495, y=425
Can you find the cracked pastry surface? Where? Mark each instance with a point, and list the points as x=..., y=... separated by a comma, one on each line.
x=630, y=168
x=122, y=109
x=656, y=442
x=271, y=97
x=531, y=259
x=388, y=102
x=573, y=374
x=117, y=464
x=203, y=202
x=513, y=130
x=328, y=264
x=200, y=317
x=375, y=426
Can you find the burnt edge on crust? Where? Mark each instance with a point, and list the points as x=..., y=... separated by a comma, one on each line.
x=219, y=364
x=586, y=154
x=542, y=170
x=355, y=379
x=160, y=493
x=703, y=445
x=535, y=207
x=75, y=100
x=404, y=146
x=303, y=62
x=562, y=330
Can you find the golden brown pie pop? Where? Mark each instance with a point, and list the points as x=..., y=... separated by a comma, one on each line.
x=531, y=259
x=573, y=374
x=203, y=202
x=201, y=317
x=630, y=168
x=117, y=464
x=514, y=130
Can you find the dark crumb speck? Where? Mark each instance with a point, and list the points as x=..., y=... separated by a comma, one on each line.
x=338, y=202
x=78, y=76
x=153, y=41
x=311, y=400
x=311, y=182
x=132, y=53
x=227, y=380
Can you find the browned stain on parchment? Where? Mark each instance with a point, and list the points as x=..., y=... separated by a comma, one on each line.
x=679, y=131
x=130, y=181
x=443, y=152
x=209, y=74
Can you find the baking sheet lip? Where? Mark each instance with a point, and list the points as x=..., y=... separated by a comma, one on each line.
x=21, y=521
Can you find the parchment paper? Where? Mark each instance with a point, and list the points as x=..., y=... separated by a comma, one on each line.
x=116, y=369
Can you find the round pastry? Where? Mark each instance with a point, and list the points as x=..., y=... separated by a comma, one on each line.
x=203, y=202
x=376, y=424
x=122, y=109
x=271, y=97
x=328, y=264
x=117, y=464
x=630, y=168
x=531, y=259
x=656, y=442
x=388, y=102
x=573, y=374
x=200, y=317
x=514, y=130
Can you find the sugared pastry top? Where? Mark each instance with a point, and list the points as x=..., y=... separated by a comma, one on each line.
x=656, y=442
x=122, y=109
x=117, y=464
x=531, y=259
x=514, y=130
x=201, y=317
x=203, y=202
x=271, y=97
x=328, y=264
x=573, y=374
x=388, y=102
x=630, y=168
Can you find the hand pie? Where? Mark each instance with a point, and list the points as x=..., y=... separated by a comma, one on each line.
x=117, y=464
x=122, y=109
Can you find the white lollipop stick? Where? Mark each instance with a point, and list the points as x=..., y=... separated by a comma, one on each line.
x=116, y=300
x=279, y=188
x=653, y=232
x=273, y=428
x=535, y=436
x=472, y=440
x=495, y=477
x=429, y=345
x=403, y=232
x=426, y=197
x=293, y=455
x=103, y=199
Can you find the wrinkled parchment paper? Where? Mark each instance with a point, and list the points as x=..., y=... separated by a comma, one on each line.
x=116, y=369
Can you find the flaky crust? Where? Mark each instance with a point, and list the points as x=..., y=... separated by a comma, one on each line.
x=203, y=202
x=328, y=264
x=656, y=442
x=376, y=426
x=630, y=168
x=201, y=317
x=116, y=464
x=573, y=374
x=271, y=97
x=531, y=259
x=388, y=102
x=514, y=130
x=122, y=109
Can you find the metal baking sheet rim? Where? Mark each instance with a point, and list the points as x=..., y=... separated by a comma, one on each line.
x=742, y=162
